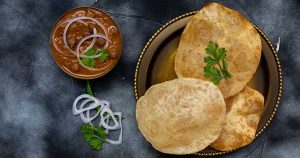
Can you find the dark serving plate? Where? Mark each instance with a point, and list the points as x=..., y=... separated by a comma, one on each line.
x=156, y=64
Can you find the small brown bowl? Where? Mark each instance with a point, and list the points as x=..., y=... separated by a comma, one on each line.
x=68, y=62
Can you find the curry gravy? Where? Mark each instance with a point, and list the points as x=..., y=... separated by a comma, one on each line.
x=67, y=60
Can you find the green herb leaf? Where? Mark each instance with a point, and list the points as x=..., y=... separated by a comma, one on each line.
x=214, y=70
x=87, y=136
x=101, y=133
x=96, y=144
x=94, y=136
x=91, y=52
x=103, y=55
x=89, y=89
x=221, y=54
x=210, y=61
x=92, y=62
x=90, y=92
x=87, y=61
x=211, y=48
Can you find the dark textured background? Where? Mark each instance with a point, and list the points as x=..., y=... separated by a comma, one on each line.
x=36, y=96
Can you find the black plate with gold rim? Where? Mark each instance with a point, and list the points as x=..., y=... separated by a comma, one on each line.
x=156, y=65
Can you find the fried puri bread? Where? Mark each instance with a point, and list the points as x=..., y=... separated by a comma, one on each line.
x=242, y=117
x=181, y=116
x=230, y=30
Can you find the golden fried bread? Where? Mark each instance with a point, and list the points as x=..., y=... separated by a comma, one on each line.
x=229, y=29
x=242, y=117
x=181, y=116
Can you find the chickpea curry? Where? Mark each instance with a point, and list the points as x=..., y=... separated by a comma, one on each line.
x=86, y=43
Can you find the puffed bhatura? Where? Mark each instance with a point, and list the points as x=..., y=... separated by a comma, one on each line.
x=230, y=30
x=243, y=114
x=181, y=116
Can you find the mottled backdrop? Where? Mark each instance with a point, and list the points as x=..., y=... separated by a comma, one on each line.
x=36, y=96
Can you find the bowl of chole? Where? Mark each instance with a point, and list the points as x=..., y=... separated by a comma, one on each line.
x=207, y=83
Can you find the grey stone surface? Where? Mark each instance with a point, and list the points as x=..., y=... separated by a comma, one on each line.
x=36, y=96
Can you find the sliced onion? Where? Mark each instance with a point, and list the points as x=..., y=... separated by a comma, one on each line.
x=119, y=141
x=107, y=111
x=58, y=26
x=81, y=109
x=82, y=18
x=53, y=38
x=86, y=38
x=90, y=57
x=90, y=103
x=93, y=42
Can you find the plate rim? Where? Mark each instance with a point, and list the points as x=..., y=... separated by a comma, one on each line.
x=274, y=53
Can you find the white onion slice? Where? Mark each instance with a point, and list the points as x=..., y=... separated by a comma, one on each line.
x=93, y=42
x=87, y=118
x=86, y=38
x=58, y=26
x=106, y=110
x=119, y=141
x=91, y=103
x=90, y=57
x=81, y=109
x=82, y=18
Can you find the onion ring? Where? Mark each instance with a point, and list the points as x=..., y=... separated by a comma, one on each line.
x=58, y=26
x=92, y=103
x=89, y=57
x=82, y=18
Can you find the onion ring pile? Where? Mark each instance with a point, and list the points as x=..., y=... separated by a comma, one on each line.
x=83, y=105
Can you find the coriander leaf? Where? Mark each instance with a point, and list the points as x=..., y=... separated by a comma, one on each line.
x=213, y=74
x=96, y=144
x=103, y=55
x=94, y=136
x=90, y=92
x=221, y=53
x=214, y=70
x=88, y=88
x=226, y=74
x=212, y=48
x=210, y=61
x=87, y=136
x=225, y=65
x=92, y=62
x=216, y=79
x=224, y=70
x=101, y=133
x=87, y=61
x=91, y=52
x=86, y=128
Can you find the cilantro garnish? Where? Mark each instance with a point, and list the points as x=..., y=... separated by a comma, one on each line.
x=103, y=55
x=95, y=136
x=90, y=92
x=216, y=66
x=87, y=61
x=88, y=88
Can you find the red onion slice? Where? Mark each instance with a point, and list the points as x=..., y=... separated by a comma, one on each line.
x=73, y=52
x=82, y=18
x=89, y=57
x=93, y=42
